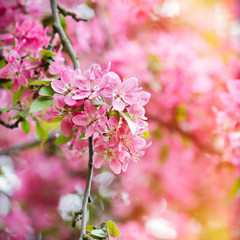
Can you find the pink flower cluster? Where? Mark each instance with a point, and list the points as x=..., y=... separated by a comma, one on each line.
x=97, y=102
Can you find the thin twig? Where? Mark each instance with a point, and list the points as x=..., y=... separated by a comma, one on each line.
x=50, y=45
x=65, y=41
x=87, y=188
x=11, y=126
x=18, y=148
x=72, y=14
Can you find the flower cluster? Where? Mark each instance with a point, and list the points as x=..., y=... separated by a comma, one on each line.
x=98, y=103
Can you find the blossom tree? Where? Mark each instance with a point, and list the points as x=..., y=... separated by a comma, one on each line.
x=70, y=135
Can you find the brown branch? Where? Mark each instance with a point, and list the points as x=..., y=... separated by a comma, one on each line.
x=72, y=14
x=18, y=148
x=87, y=189
x=65, y=41
x=11, y=126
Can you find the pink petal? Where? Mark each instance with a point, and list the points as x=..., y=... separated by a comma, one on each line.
x=112, y=122
x=66, y=126
x=81, y=95
x=81, y=120
x=58, y=86
x=115, y=165
x=125, y=165
x=58, y=101
x=90, y=131
x=118, y=104
x=89, y=108
x=102, y=110
x=99, y=161
x=50, y=114
x=67, y=75
x=130, y=84
x=69, y=100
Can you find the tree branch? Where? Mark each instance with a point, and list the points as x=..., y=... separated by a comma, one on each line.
x=72, y=14
x=65, y=41
x=50, y=45
x=11, y=126
x=18, y=148
x=87, y=189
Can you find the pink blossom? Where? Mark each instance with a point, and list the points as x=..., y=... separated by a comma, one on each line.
x=90, y=83
x=59, y=109
x=121, y=93
x=92, y=118
x=67, y=85
x=107, y=153
x=13, y=70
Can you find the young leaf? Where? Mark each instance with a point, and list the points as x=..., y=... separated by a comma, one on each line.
x=46, y=53
x=41, y=82
x=131, y=124
x=97, y=102
x=42, y=133
x=3, y=63
x=112, y=229
x=81, y=136
x=61, y=139
x=33, y=59
x=41, y=103
x=235, y=189
x=6, y=110
x=46, y=91
x=89, y=228
x=17, y=95
x=99, y=233
x=26, y=127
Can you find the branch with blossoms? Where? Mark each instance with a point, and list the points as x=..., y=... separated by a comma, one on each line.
x=95, y=107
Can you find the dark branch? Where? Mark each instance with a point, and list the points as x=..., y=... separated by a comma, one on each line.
x=87, y=189
x=65, y=41
x=16, y=149
x=11, y=126
x=72, y=14
x=50, y=45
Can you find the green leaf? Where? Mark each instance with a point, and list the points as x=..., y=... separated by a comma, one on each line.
x=46, y=53
x=89, y=228
x=131, y=124
x=97, y=102
x=26, y=127
x=112, y=229
x=99, y=233
x=23, y=113
x=46, y=91
x=3, y=63
x=17, y=95
x=81, y=136
x=145, y=134
x=1, y=172
x=41, y=103
x=42, y=82
x=6, y=109
x=61, y=139
x=235, y=189
x=42, y=133
x=33, y=59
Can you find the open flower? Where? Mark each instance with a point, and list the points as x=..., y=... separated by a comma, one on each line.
x=92, y=118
